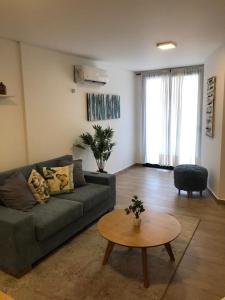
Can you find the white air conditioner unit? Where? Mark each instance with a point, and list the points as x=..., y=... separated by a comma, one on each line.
x=90, y=75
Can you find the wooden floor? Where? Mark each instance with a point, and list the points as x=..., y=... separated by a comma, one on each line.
x=201, y=273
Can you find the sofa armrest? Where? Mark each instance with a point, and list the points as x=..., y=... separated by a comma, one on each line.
x=99, y=178
x=18, y=245
x=104, y=179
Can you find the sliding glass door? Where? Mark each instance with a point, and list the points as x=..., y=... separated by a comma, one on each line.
x=173, y=116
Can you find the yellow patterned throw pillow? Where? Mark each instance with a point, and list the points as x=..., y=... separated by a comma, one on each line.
x=59, y=179
x=38, y=186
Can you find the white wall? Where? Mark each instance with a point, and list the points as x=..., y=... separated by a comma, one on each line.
x=45, y=118
x=13, y=142
x=56, y=117
x=213, y=149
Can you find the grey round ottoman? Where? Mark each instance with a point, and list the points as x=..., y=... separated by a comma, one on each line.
x=190, y=178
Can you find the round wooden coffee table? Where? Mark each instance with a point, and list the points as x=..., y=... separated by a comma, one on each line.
x=156, y=229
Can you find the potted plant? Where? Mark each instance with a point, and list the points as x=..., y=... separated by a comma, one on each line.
x=136, y=208
x=100, y=144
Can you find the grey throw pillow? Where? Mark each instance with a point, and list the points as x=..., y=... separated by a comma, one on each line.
x=78, y=174
x=15, y=193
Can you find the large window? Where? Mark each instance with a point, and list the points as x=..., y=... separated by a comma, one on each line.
x=172, y=116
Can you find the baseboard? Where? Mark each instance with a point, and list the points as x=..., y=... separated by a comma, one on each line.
x=218, y=200
x=127, y=168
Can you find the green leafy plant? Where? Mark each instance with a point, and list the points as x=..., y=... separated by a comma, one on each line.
x=136, y=207
x=100, y=144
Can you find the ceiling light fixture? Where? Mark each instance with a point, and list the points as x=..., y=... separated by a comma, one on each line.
x=166, y=45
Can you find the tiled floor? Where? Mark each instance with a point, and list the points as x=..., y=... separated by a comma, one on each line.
x=201, y=273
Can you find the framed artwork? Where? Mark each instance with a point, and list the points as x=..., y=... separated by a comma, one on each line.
x=103, y=107
x=211, y=97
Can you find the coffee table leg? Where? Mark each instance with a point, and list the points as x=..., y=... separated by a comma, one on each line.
x=108, y=252
x=145, y=267
x=169, y=251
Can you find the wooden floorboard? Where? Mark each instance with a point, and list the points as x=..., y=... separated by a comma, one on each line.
x=201, y=273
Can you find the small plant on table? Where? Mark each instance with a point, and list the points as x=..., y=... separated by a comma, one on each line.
x=136, y=208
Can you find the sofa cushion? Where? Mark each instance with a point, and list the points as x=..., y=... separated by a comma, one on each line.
x=15, y=193
x=59, y=179
x=38, y=186
x=25, y=170
x=78, y=173
x=55, y=162
x=53, y=216
x=89, y=195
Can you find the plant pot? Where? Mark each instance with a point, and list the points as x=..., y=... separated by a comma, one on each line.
x=137, y=222
x=101, y=171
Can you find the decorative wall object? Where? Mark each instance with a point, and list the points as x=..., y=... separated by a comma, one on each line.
x=211, y=96
x=103, y=107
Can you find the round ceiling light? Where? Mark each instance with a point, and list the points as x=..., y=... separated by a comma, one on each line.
x=166, y=45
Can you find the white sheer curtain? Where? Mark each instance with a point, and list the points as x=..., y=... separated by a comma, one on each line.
x=157, y=119
x=172, y=116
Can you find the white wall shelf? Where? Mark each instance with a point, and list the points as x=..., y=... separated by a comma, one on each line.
x=6, y=96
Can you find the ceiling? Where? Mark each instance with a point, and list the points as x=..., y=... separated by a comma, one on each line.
x=123, y=32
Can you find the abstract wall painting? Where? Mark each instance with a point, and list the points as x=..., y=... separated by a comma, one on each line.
x=103, y=107
x=211, y=97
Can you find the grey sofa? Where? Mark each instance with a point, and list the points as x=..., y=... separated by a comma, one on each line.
x=25, y=237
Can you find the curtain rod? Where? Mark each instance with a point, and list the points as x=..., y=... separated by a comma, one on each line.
x=138, y=73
